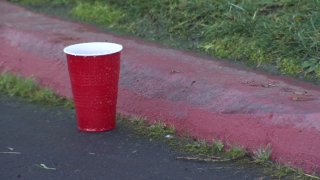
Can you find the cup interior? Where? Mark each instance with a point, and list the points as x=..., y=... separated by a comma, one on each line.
x=93, y=49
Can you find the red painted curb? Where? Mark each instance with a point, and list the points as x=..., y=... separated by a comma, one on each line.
x=207, y=99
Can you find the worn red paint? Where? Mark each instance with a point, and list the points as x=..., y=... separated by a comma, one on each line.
x=207, y=99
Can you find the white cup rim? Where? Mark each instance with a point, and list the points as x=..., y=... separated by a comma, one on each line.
x=93, y=49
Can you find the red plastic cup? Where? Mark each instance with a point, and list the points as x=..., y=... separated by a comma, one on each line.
x=94, y=74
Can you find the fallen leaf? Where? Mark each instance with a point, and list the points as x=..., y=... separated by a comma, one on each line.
x=208, y=159
x=259, y=84
x=168, y=136
x=11, y=152
x=300, y=92
x=173, y=71
x=302, y=98
x=43, y=166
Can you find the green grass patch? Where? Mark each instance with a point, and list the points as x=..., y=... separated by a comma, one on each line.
x=263, y=154
x=167, y=133
x=282, y=35
x=157, y=130
x=236, y=152
x=43, y=3
x=27, y=88
x=99, y=13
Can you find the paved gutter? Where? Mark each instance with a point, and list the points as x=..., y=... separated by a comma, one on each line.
x=38, y=135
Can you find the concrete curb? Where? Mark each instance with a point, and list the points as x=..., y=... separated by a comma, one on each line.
x=206, y=99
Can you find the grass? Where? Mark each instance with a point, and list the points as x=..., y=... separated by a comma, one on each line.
x=218, y=146
x=199, y=150
x=102, y=14
x=263, y=154
x=27, y=88
x=156, y=131
x=236, y=152
x=280, y=36
x=167, y=133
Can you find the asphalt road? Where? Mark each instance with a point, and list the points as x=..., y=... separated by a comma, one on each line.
x=38, y=142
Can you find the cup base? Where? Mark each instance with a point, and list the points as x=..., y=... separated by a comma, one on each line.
x=95, y=129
